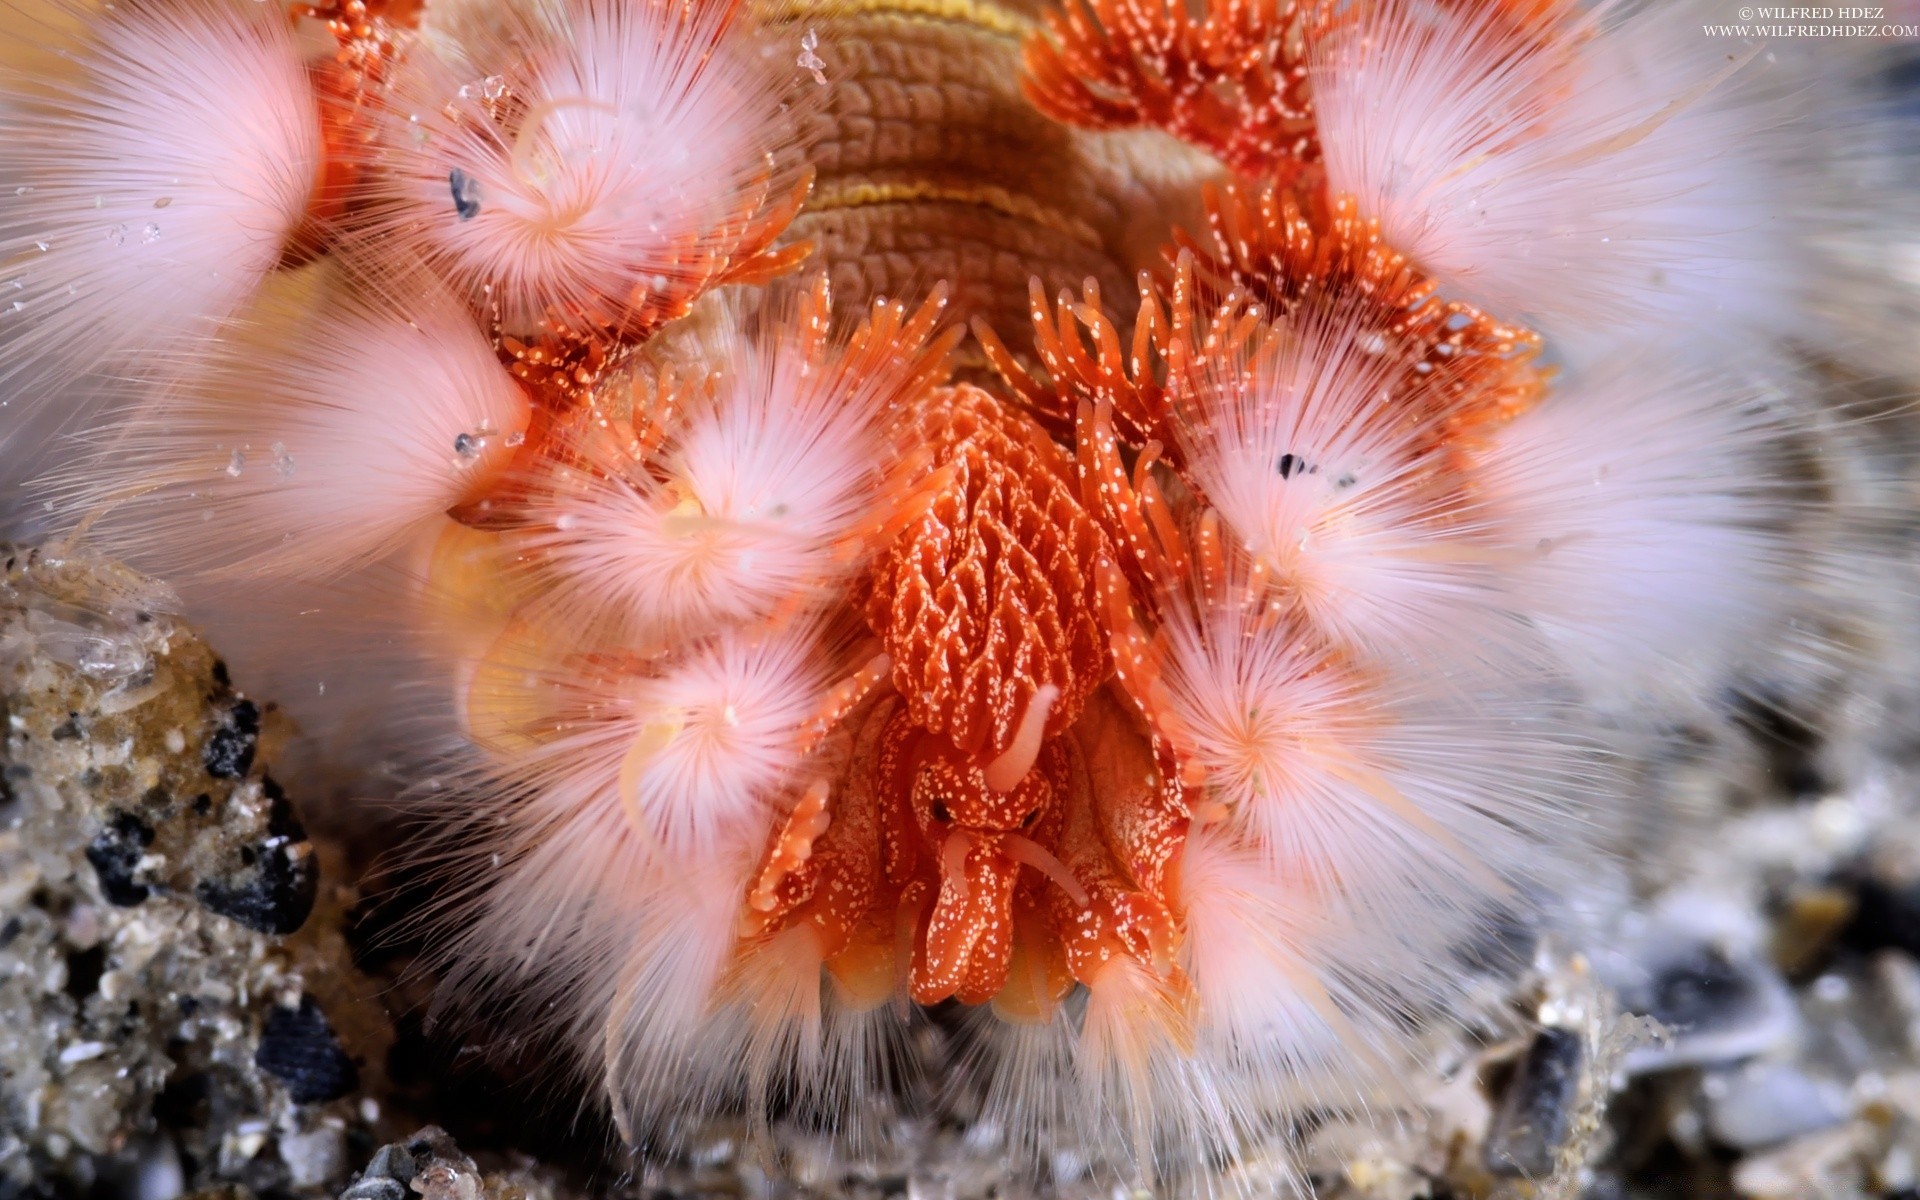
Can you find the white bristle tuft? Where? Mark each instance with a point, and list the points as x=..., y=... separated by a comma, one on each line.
x=157, y=160
x=613, y=893
x=1650, y=515
x=777, y=469
x=1316, y=470
x=750, y=507
x=1291, y=1002
x=330, y=427
x=1590, y=169
x=580, y=161
x=695, y=749
x=1354, y=785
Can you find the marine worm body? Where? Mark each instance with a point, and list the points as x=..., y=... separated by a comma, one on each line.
x=1134, y=520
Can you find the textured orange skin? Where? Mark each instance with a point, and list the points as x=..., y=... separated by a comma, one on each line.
x=993, y=593
x=990, y=596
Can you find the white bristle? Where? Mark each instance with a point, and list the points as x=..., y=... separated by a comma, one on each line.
x=775, y=468
x=1589, y=169
x=330, y=427
x=696, y=749
x=156, y=160
x=572, y=160
x=1649, y=523
x=1407, y=805
x=1313, y=456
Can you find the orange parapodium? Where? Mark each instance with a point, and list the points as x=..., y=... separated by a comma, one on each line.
x=1231, y=79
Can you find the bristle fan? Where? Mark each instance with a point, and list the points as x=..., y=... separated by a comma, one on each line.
x=588, y=166
x=330, y=426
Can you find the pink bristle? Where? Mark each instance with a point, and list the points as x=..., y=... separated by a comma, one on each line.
x=777, y=468
x=581, y=162
x=696, y=748
x=1648, y=522
x=142, y=206
x=1138, y=1077
x=1287, y=995
x=614, y=901
x=330, y=427
x=1351, y=783
x=1584, y=167
x=1311, y=451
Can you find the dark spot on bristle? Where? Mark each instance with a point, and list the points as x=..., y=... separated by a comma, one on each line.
x=1286, y=465
x=84, y=969
x=298, y=1047
x=228, y=754
x=466, y=194
x=115, y=854
x=1345, y=481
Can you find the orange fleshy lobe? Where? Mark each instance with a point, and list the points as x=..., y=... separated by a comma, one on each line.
x=1231, y=80
x=1300, y=257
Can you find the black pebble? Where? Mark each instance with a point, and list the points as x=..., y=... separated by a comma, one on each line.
x=1532, y=1120
x=375, y=1187
x=281, y=821
x=84, y=969
x=272, y=895
x=115, y=853
x=1698, y=992
x=299, y=1049
x=1886, y=916
x=228, y=754
x=392, y=1168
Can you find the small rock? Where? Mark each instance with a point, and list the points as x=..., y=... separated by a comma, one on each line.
x=1765, y=1104
x=1719, y=1008
x=115, y=853
x=1531, y=1122
x=298, y=1047
x=1813, y=917
x=159, y=1175
x=315, y=1157
x=228, y=753
x=272, y=895
x=1886, y=916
